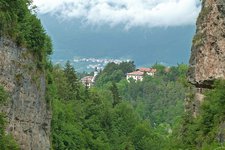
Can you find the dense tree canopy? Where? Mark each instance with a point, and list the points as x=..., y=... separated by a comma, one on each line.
x=116, y=114
x=114, y=72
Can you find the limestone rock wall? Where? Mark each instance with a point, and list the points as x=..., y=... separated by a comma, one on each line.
x=207, y=61
x=28, y=115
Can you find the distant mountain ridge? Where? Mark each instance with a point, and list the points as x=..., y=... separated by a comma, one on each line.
x=143, y=45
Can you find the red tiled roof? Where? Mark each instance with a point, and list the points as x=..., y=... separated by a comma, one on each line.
x=87, y=79
x=147, y=70
x=139, y=73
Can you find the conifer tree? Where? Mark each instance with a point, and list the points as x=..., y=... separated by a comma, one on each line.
x=74, y=84
x=115, y=94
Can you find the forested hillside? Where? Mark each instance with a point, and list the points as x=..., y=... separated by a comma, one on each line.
x=161, y=112
x=116, y=114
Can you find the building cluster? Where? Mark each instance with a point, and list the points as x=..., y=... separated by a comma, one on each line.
x=139, y=74
x=92, y=63
x=88, y=81
x=100, y=60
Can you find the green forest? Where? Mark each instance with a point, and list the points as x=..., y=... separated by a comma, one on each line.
x=117, y=114
x=114, y=114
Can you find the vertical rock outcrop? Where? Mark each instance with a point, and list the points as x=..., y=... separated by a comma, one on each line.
x=28, y=114
x=207, y=61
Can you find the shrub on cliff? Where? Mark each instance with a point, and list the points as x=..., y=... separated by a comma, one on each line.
x=6, y=141
x=20, y=24
x=207, y=130
x=3, y=95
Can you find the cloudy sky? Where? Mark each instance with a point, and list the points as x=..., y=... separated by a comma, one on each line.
x=130, y=13
x=146, y=31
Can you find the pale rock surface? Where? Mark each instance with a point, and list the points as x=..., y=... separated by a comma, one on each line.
x=27, y=111
x=207, y=61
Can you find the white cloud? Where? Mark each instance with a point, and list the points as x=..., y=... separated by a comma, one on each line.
x=131, y=13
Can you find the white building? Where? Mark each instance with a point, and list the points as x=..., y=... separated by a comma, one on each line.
x=139, y=73
x=136, y=75
x=89, y=80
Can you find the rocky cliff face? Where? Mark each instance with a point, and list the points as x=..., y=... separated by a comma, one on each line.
x=207, y=61
x=28, y=116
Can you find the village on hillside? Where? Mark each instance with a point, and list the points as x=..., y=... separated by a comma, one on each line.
x=136, y=75
x=140, y=73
